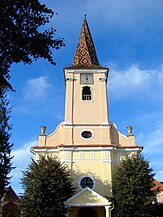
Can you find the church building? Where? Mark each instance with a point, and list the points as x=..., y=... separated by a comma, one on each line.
x=86, y=140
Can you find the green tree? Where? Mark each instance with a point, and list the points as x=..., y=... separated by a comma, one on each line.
x=21, y=37
x=5, y=146
x=47, y=184
x=132, y=194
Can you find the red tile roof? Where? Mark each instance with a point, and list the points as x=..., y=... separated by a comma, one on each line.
x=158, y=185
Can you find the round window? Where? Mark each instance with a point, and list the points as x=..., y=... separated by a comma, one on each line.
x=86, y=134
x=86, y=182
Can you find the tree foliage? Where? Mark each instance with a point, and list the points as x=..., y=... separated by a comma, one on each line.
x=21, y=37
x=132, y=194
x=5, y=145
x=47, y=184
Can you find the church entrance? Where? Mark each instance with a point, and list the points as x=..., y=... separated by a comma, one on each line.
x=87, y=212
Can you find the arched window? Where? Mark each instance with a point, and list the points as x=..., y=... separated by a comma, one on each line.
x=86, y=93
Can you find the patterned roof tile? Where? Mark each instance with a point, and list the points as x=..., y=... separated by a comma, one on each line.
x=85, y=55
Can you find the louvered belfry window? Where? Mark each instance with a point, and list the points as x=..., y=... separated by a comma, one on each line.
x=86, y=93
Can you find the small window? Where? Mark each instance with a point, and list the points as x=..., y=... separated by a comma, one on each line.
x=86, y=134
x=86, y=182
x=86, y=93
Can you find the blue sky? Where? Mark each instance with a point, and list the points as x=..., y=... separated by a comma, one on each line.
x=128, y=37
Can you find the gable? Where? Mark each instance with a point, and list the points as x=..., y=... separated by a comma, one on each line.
x=10, y=195
x=87, y=197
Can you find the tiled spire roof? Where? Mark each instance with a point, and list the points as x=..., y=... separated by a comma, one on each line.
x=85, y=55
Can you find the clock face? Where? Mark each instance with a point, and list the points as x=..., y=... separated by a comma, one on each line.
x=86, y=78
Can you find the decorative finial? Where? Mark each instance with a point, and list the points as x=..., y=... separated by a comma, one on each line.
x=129, y=129
x=85, y=15
x=43, y=129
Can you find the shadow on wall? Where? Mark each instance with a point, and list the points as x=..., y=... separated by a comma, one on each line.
x=100, y=187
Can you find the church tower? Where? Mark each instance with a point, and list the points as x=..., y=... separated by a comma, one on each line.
x=86, y=107
x=86, y=140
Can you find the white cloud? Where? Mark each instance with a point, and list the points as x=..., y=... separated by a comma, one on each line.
x=23, y=153
x=160, y=76
x=37, y=89
x=22, y=158
x=39, y=97
x=153, y=140
x=159, y=175
x=136, y=81
x=142, y=87
x=156, y=165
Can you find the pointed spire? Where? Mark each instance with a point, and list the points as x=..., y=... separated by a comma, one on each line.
x=85, y=55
